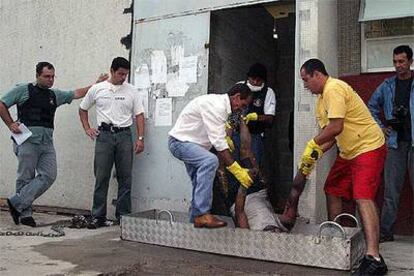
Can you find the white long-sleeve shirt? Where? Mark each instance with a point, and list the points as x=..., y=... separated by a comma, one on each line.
x=202, y=121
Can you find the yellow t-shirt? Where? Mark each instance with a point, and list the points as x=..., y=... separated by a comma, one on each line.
x=360, y=133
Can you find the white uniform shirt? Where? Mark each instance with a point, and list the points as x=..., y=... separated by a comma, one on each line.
x=202, y=121
x=115, y=104
x=269, y=106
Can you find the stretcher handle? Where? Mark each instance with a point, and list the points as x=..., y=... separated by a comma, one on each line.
x=329, y=224
x=347, y=215
x=165, y=211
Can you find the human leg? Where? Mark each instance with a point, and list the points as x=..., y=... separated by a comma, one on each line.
x=394, y=173
x=201, y=166
x=123, y=166
x=103, y=162
x=46, y=174
x=27, y=157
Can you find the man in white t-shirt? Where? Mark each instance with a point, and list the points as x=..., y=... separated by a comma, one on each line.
x=200, y=126
x=117, y=104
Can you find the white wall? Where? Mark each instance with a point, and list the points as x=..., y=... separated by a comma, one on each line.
x=80, y=37
x=315, y=38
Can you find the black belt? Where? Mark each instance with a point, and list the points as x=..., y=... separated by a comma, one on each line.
x=111, y=128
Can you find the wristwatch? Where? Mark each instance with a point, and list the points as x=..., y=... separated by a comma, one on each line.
x=141, y=138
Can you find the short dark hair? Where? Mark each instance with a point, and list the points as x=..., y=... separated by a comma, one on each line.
x=120, y=62
x=241, y=88
x=257, y=70
x=404, y=49
x=312, y=65
x=43, y=64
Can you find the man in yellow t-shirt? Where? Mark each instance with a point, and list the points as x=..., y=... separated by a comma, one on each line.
x=356, y=173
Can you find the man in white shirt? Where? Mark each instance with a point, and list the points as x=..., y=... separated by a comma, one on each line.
x=201, y=125
x=117, y=103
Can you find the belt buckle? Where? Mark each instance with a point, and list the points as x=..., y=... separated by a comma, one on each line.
x=111, y=129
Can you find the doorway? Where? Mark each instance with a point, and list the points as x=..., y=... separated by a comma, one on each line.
x=265, y=33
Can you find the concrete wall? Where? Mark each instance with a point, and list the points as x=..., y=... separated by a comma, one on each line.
x=80, y=37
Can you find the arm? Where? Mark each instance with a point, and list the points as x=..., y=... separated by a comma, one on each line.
x=328, y=134
x=375, y=106
x=81, y=92
x=7, y=119
x=268, y=119
x=140, y=126
x=91, y=132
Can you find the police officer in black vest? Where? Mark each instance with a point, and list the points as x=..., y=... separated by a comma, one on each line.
x=258, y=117
x=36, y=107
x=261, y=111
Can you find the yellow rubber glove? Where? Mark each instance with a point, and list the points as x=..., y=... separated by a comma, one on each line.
x=306, y=168
x=241, y=174
x=230, y=143
x=250, y=117
x=309, y=157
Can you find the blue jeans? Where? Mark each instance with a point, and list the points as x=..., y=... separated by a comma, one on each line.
x=36, y=172
x=201, y=166
x=396, y=165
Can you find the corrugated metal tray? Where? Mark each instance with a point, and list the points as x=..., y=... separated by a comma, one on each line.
x=327, y=245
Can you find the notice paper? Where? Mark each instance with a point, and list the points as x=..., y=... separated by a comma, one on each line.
x=176, y=88
x=20, y=138
x=158, y=67
x=163, y=112
x=188, y=69
x=141, y=77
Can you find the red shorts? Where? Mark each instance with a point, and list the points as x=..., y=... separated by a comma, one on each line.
x=358, y=178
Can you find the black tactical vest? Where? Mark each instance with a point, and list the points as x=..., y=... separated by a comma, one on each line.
x=39, y=109
x=257, y=105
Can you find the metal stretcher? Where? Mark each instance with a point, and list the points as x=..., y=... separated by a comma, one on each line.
x=328, y=245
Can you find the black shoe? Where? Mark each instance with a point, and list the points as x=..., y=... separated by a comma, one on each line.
x=97, y=223
x=386, y=238
x=13, y=212
x=370, y=266
x=29, y=221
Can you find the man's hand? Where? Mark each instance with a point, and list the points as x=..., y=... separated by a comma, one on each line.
x=230, y=143
x=241, y=174
x=92, y=133
x=102, y=77
x=139, y=146
x=306, y=167
x=250, y=117
x=309, y=157
x=386, y=131
x=14, y=127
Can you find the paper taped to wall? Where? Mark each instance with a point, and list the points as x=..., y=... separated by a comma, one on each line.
x=163, y=112
x=158, y=67
x=188, y=69
x=141, y=77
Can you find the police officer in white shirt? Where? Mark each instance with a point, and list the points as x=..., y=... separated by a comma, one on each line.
x=117, y=103
x=201, y=125
x=261, y=112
